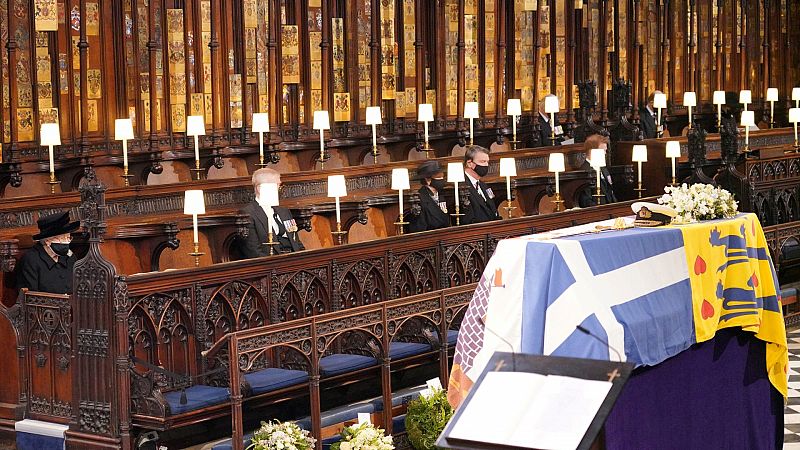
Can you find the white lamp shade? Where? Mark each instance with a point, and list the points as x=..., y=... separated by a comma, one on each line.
x=508, y=167
x=514, y=107
x=321, y=120
x=195, y=126
x=455, y=172
x=673, y=149
x=772, y=94
x=400, y=179
x=794, y=115
x=660, y=100
x=689, y=99
x=745, y=96
x=50, y=134
x=374, y=115
x=551, y=104
x=748, y=118
x=268, y=194
x=471, y=110
x=260, y=123
x=796, y=93
x=598, y=158
x=719, y=97
x=336, y=186
x=193, y=202
x=556, y=162
x=639, y=153
x=123, y=129
x=425, y=112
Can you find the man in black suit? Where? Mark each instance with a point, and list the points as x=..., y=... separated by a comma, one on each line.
x=47, y=266
x=433, y=204
x=585, y=198
x=648, y=117
x=479, y=204
x=284, y=227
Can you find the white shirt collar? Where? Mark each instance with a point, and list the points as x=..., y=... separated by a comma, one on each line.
x=650, y=110
x=471, y=179
x=544, y=116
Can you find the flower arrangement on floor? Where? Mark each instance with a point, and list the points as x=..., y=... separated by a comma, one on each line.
x=281, y=436
x=364, y=436
x=699, y=202
x=426, y=417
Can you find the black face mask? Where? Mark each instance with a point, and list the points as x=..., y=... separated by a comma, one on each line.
x=481, y=170
x=438, y=184
x=60, y=249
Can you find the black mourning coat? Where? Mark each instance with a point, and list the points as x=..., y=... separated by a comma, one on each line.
x=431, y=216
x=255, y=243
x=479, y=210
x=38, y=272
x=648, y=123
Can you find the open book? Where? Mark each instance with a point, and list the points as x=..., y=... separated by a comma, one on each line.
x=531, y=410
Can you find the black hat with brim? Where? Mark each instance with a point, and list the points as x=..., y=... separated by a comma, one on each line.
x=428, y=169
x=55, y=225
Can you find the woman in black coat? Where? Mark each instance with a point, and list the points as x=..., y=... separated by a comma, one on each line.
x=433, y=204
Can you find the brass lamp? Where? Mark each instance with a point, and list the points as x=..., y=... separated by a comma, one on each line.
x=794, y=117
x=261, y=126
x=471, y=112
x=555, y=164
x=50, y=135
x=322, y=122
x=639, y=156
x=772, y=97
x=719, y=100
x=123, y=130
x=690, y=101
x=514, y=109
x=337, y=188
x=598, y=161
x=748, y=120
x=551, y=107
x=455, y=175
x=374, y=118
x=425, y=115
x=508, y=169
x=195, y=126
x=673, y=152
x=194, y=204
x=796, y=96
x=400, y=183
x=659, y=103
x=745, y=97
x=268, y=198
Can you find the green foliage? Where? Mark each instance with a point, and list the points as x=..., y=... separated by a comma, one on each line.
x=426, y=418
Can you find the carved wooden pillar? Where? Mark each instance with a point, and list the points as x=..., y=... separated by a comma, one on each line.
x=327, y=62
x=83, y=47
x=152, y=46
x=461, y=60
x=375, y=55
x=570, y=62
x=537, y=45
x=636, y=69
x=742, y=46
x=502, y=33
x=217, y=70
x=766, y=58
x=691, y=60
x=603, y=64
x=100, y=332
x=663, y=33
x=720, y=85
x=13, y=86
x=275, y=87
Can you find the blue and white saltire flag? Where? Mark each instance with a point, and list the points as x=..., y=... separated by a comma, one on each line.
x=630, y=289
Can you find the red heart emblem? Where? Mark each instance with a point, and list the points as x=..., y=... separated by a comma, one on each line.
x=754, y=280
x=707, y=310
x=699, y=265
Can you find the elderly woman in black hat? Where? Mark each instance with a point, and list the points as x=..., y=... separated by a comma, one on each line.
x=47, y=266
x=432, y=201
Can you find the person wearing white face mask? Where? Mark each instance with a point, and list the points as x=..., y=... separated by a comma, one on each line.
x=47, y=266
x=262, y=215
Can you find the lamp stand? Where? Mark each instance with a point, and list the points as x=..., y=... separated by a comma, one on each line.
x=126, y=176
x=659, y=129
x=772, y=114
x=270, y=242
x=375, y=154
x=674, y=181
x=514, y=143
x=400, y=223
x=53, y=182
x=509, y=209
x=559, y=202
x=639, y=190
x=197, y=170
x=597, y=194
x=457, y=215
x=197, y=254
x=339, y=233
x=552, y=129
x=261, y=163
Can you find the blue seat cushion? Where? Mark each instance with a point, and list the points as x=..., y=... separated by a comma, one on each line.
x=272, y=379
x=227, y=444
x=197, y=397
x=452, y=337
x=400, y=397
x=339, y=414
x=398, y=350
x=341, y=363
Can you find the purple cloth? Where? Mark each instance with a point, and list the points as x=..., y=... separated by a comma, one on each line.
x=714, y=395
